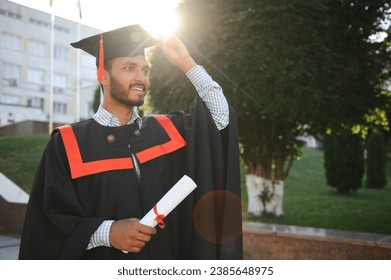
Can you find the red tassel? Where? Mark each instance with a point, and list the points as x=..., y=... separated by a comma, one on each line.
x=101, y=69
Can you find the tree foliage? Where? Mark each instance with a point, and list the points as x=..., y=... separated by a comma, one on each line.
x=350, y=168
x=96, y=100
x=376, y=161
x=286, y=67
x=330, y=159
x=344, y=160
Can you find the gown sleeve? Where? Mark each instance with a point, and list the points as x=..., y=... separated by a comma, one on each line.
x=211, y=219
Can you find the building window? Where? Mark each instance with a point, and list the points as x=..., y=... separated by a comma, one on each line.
x=11, y=71
x=36, y=76
x=37, y=48
x=35, y=102
x=60, y=80
x=39, y=22
x=61, y=53
x=60, y=108
x=87, y=84
x=11, y=41
x=61, y=29
x=10, y=99
x=10, y=14
x=48, y=25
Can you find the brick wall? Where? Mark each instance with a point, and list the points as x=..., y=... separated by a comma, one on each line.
x=11, y=216
x=266, y=245
x=26, y=128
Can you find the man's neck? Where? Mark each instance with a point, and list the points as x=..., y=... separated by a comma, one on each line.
x=123, y=114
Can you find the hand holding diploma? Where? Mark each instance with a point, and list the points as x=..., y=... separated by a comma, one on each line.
x=129, y=235
x=166, y=204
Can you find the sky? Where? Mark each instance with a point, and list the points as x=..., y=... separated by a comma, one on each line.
x=157, y=16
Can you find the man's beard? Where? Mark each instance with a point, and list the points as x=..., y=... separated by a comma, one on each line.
x=120, y=94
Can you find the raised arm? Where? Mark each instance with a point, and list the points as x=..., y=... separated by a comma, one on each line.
x=209, y=91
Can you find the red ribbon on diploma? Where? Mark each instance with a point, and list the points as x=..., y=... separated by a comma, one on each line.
x=159, y=218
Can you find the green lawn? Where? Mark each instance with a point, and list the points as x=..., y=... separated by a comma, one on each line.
x=20, y=156
x=308, y=200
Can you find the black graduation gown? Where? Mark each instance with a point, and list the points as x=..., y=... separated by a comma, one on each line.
x=67, y=203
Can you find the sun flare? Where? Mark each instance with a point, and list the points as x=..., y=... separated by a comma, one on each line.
x=158, y=17
x=161, y=24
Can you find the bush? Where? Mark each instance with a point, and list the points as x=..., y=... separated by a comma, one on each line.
x=330, y=160
x=344, y=161
x=376, y=161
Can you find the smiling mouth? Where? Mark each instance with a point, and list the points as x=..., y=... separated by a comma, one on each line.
x=137, y=87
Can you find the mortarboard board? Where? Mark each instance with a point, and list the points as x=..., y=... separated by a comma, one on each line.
x=126, y=41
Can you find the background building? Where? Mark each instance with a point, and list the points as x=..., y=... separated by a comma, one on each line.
x=25, y=62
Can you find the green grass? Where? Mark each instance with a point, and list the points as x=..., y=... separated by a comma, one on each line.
x=308, y=200
x=20, y=156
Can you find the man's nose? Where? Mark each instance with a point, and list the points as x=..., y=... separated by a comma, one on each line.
x=141, y=76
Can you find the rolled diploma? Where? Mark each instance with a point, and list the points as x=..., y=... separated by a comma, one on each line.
x=170, y=200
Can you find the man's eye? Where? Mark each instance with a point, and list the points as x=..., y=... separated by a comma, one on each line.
x=129, y=68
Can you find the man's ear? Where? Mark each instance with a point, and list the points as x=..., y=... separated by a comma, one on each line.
x=105, y=77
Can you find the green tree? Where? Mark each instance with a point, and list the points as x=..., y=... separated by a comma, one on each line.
x=376, y=161
x=345, y=161
x=96, y=101
x=285, y=66
x=330, y=159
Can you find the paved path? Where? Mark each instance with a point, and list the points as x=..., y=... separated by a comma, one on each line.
x=320, y=232
x=9, y=247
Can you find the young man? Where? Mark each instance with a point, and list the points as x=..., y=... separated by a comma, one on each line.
x=98, y=177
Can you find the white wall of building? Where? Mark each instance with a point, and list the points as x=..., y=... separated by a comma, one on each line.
x=25, y=36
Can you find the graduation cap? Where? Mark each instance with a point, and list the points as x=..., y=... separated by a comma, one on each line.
x=126, y=41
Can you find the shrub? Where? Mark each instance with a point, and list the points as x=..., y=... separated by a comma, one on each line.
x=376, y=161
x=344, y=161
x=330, y=160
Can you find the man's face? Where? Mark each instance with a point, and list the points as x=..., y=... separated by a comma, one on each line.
x=129, y=80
